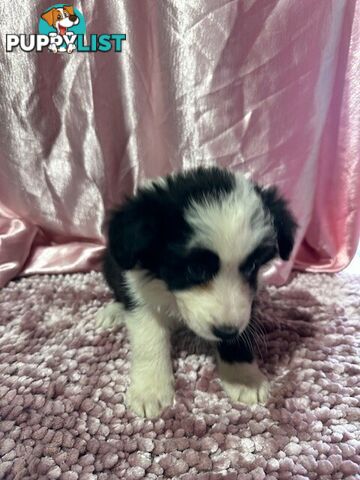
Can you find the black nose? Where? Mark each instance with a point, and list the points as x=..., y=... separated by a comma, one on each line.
x=73, y=18
x=225, y=333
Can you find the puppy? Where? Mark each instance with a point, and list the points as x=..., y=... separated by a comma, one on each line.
x=187, y=249
x=61, y=19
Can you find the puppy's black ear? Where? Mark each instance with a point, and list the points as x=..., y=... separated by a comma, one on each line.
x=284, y=223
x=131, y=235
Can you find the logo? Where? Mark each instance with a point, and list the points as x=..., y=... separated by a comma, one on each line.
x=64, y=24
x=62, y=29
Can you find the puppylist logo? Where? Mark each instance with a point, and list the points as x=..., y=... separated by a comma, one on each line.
x=62, y=29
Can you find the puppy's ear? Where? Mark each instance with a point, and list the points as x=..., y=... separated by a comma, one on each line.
x=49, y=17
x=284, y=223
x=69, y=9
x=131, y=236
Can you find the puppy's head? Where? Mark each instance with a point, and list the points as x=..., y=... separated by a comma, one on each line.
x=204, y=235
x=61, y=18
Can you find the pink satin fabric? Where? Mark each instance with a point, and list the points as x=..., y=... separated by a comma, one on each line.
x=266, y=87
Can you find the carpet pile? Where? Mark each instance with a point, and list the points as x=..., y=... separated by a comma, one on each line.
x=62, y=385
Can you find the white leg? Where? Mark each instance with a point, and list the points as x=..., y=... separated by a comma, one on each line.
x=71, y=48
x=110, y=315
x=244, y=382
x=152, y=383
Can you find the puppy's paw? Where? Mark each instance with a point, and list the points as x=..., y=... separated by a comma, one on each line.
x=53, y=48
x=150, y=400
x=244, y=382
x=249, y=394
x=71, y=48
x=109, y=316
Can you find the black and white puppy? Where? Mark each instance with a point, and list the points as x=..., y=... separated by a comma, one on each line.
x=187, y=249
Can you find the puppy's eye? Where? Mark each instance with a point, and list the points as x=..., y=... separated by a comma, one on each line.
x=59, y=17
x=198, y=273
x=261, y=256
x=201, y=266
x=249, y=268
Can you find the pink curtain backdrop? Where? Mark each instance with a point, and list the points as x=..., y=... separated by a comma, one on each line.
x=266, y=87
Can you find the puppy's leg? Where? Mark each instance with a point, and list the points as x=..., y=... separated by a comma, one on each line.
x=53, y=48
x=110, y=315
x=240, y=375
x=152, y=383
x=71, y=48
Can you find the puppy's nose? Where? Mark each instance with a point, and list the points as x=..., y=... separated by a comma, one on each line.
x=73, y=18
x=224, y=332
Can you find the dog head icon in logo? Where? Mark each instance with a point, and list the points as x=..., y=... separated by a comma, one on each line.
x=62, y=23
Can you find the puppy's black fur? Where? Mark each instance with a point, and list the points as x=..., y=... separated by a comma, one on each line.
x=150, y=231
x=284, y=222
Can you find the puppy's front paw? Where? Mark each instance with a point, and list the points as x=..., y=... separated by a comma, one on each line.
x=244, y=382
x=109, y=316
x=249, y=394
x=71, y=48
x=150, y=400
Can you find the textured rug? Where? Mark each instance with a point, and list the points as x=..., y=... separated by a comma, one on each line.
x=62, y=384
